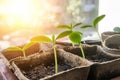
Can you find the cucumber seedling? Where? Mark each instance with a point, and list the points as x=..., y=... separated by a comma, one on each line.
x=74, y=36
x=94, y=25
x=16, y=48
x=46, y=39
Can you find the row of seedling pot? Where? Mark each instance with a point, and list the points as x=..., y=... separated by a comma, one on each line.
x=46, y=59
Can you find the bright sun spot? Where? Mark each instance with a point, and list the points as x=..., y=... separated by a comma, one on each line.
x=25, y=12
x=18, y=11
x=20, y=7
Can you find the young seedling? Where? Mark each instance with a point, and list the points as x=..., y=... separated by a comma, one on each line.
x=68, y=28
x=74, y=36
x=94, y=25
x=117, y=29
x=44, y=39
x=20, y=49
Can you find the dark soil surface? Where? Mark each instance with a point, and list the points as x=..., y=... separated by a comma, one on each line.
x=93, y=56
x=98, y=58
x=114, y=46
x=42, y=71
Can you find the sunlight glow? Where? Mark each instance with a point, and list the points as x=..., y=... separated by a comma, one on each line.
x=18, y=11
x=26, y=12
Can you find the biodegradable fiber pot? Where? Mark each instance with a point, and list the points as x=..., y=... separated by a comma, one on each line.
x=104, y=66
x=112, y=45
x=9, y=55
x=106, y=34
x=5, y=72
x=75, y=67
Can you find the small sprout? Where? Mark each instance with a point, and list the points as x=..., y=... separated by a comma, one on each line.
x=20, y=49
x=74, y=36
x=117, y=29
x=94, y=25
x=44, y=39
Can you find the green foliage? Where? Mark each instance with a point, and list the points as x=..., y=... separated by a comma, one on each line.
x=77, y=24
x=69, y=31
x=86, y=26
x=41, y=39
x=117, y=29
x=94, y=25
x=20, y=49
x=63, y=26
x=14, y=49
x=69, y=27
x=63, y=34
x=28, y=45
x=75, y=37
x=97, y=20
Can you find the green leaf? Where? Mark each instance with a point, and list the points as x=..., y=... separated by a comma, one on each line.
x=117, y=29
x=86, y=26
x=75, y=37
x=63, y=26
x=63, y=34
x=28, y=45
x=97, y=20
x=14, y=49
x=77, y=24
x=41, y=39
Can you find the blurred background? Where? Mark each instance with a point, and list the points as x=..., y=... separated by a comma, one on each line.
x=112, y=11
x=21, y=19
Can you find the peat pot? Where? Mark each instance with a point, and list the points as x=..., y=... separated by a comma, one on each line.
x=112, y=45
x=5, y=72
x=35, y=48
x=40, y=66
x=9, y=55
x=106, y=34
x=38, y=47
x=104, y=66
